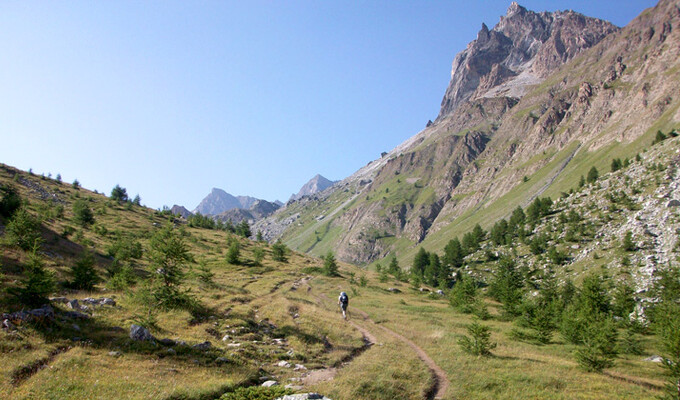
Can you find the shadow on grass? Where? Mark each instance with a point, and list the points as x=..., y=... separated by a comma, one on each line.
x=512, y=358
x=289, y=330
x=634, y=381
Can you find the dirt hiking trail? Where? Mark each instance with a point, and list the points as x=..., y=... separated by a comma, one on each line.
x=440, y=382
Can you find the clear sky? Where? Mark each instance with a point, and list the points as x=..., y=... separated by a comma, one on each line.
x=170, y=99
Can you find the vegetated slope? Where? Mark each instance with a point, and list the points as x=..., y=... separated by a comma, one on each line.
x=501, y=140
x=249, y=308
x=256, y=316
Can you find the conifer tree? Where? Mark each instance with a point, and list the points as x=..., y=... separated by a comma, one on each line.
x=330, y=266
x=453, y=253
x=119, y=193
x=84, y=273
x=234, y=253
x=279, y=251
x=593, y=175
x=38, y=282
x=168, y=256
x=420, y=261
x=10, y=200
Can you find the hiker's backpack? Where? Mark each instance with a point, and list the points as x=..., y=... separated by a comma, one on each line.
x=344, y=299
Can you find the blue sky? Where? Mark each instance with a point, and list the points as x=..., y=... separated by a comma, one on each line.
x=170, y=99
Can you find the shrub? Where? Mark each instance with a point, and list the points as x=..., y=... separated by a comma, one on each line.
x=122, y=279
x=125, y=249
x=258, y=255
x=84, y=273
x=257, y=393
x=23, y=230
x=201, y=221
x=363, y=281
x=10, y=201
x=628, y=244
x=204, y=273
x=82, y=214
x=479, y=342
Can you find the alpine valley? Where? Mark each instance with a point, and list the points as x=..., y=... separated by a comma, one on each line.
x=524, y=245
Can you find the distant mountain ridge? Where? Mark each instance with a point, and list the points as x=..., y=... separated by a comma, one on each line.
x=315, y=185
x=219, y=201
x=519, y=119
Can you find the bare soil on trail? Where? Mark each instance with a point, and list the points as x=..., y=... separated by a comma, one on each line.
x=440, y=380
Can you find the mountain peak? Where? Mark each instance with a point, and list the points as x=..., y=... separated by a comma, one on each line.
x=317, y=184
x=519, y=52
x=514, y=9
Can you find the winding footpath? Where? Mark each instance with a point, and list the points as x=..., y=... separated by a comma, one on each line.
x=440, y=380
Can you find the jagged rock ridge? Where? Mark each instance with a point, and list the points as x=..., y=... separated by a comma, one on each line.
x=521, y=50
x=260, y=209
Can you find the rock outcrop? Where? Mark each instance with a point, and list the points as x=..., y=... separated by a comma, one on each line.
x=520, y=51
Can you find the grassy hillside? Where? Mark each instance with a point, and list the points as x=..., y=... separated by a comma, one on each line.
x=258, y=314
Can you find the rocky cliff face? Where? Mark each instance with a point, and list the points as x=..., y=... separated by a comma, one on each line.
x=500, y=139
x=315, y=185
x=258, y=210
x=520, y=51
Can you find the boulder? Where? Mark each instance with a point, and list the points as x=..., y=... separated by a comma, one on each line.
x=394, y=290
x=43, y=312
x=58, y=300
x=654, y=358
x=140, y=333
x=284, y=364
x=73, y=304
x=304, y=396
x=7, y=324
x=270, y=383
x=673, y=203
x=167, y=342
x=202, y=346
x=107, y=301
x=75, y=315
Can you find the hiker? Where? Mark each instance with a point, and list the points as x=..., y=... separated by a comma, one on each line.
x=343, y=300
